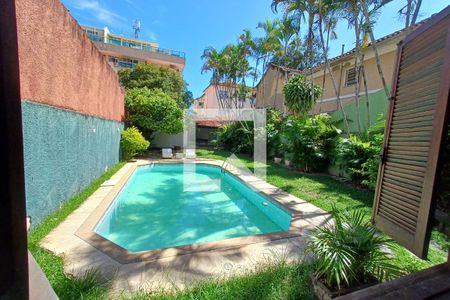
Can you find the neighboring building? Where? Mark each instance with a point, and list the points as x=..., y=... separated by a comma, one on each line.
x=210, y=98
x=123, y=52
x=269, y=91
x=270, y=88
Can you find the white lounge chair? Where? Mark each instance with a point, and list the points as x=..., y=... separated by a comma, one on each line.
x=190, y=153
x=167, y=153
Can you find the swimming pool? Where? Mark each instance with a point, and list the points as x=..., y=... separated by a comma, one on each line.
x=167, y=205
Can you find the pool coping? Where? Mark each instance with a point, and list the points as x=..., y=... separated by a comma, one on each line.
x=121, y=255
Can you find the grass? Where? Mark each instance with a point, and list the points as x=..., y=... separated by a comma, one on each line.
x=274, y=280
x=90, y=286
x=322, y=190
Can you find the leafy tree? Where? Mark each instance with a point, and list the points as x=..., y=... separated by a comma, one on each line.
x=300, y=95
x=229, y=67
x=153, y=110
x=188, y=98
x=155, y=77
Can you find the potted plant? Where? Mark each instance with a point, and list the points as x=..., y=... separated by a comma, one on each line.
x=348, y=255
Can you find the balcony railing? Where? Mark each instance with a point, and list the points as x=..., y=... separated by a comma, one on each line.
x=124, y=64
x=136, y=45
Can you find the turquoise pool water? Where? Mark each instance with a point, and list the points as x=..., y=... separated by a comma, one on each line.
x=167, y=205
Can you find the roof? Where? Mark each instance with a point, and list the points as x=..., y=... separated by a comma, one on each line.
x=211, y=123
x=377, y=41
x=285, y=69
x=346, y=54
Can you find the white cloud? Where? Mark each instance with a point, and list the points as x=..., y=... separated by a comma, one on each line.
x=103, y=14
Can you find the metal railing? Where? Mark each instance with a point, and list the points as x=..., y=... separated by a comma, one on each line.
x=124, y=64
x=136, y=45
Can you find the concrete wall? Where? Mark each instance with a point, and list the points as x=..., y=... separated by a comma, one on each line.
x=72, y=106
x=60, y=66
x=378, y=104
x=64, y=152
x=269, y=92
x=162, y=140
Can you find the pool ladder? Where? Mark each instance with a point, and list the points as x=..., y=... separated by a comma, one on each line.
x=222, y=168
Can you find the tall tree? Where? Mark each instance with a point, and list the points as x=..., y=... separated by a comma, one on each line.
x=154, y=77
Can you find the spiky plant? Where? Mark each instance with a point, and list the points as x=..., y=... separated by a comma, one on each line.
x=350, y=252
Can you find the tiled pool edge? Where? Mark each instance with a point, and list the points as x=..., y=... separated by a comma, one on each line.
x=86, y=230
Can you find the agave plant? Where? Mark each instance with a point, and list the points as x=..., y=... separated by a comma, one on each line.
x=350, y=252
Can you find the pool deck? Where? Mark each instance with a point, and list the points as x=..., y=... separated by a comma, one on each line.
x=178, y=267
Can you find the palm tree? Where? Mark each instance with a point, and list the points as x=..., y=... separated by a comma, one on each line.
x=230, y=67
x=286, y=35
x=377, y=4
x=328, y=18
x=302, y=11
x=268, y=44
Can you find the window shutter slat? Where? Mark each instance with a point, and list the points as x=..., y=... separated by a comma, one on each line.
x=413, y=136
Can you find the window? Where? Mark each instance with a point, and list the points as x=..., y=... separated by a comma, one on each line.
x=350, y=78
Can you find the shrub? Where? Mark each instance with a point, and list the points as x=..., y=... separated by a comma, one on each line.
x=301, y=95
x=309, y=142
x=352, y=152
x=273, y=131
x=153, y=110
x=443, y=190
x=237, y=137
x=350, y=252
x=361, y=158
x=132, y=143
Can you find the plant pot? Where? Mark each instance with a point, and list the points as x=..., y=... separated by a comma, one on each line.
x=323, y=292
x=277, y=160
x=288, y=163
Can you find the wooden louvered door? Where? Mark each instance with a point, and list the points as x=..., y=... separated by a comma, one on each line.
x=413, y=135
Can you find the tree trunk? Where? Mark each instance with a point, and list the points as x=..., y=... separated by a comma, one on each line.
x=375, y=50
x=326, y=56
x=357, y=53
x=408, y=13
x=333, y=81
x=416, y=13
x=367, y=93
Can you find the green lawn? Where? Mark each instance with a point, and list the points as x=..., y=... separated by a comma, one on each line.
x=65, y=286
x=323, y=191
x=276, y=280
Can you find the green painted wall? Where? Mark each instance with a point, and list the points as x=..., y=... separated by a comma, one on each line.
x=378, y=105
x=64, y=152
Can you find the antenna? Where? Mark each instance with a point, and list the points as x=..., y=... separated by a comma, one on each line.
x=137, y=28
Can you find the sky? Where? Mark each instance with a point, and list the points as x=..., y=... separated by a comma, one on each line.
x=191, y=26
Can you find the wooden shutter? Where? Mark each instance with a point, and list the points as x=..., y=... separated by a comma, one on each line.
x=413, y=135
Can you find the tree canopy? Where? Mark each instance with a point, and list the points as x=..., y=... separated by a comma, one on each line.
x=154, y=77
x=153, y=110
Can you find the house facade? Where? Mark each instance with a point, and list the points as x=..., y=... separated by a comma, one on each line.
x=270, y=88
x=123, y=52
x=210, y=98
x=269, y=91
